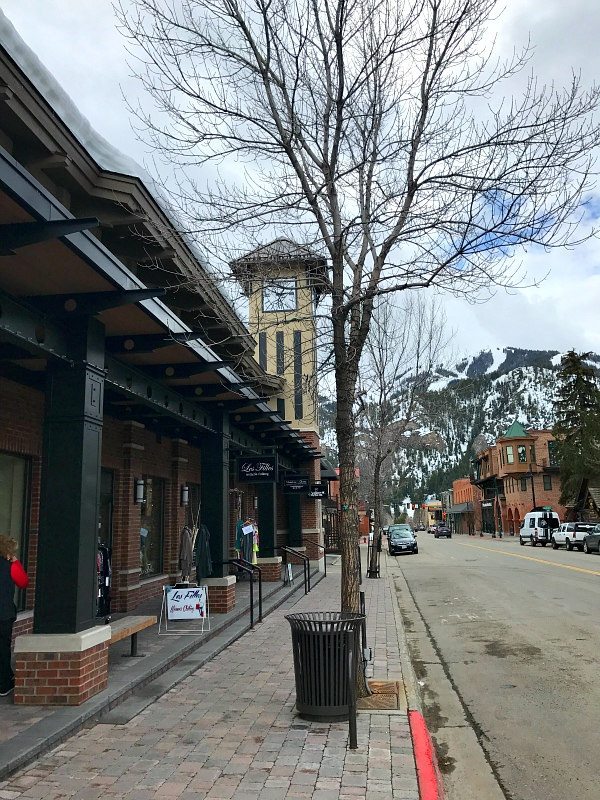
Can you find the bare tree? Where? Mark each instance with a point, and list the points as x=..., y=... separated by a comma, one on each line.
x=374, y=131
x=403, y=346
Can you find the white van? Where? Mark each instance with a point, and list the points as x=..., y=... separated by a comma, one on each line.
x=538, y=526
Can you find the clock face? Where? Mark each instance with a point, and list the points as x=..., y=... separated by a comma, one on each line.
x=279, y=295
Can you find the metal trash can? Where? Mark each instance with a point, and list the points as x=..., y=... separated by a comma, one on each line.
x=326, y=647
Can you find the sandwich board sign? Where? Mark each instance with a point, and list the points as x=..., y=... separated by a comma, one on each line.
x=184, y=603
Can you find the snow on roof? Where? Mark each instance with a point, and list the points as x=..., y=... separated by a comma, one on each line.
x=103, y=152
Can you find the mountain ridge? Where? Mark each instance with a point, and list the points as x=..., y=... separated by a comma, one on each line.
x=480, y=394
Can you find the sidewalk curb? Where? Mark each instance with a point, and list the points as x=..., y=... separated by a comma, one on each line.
x=429, y=776
x=428, y=771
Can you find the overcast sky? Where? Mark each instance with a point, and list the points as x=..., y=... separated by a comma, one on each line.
x=78, y=42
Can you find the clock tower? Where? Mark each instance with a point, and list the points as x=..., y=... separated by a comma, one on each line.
x=283, y=282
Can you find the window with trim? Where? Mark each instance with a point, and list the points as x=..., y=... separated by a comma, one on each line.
x=552, y=457
x=14, y=505
x=532, y=451
x=547, y=483
x=192, y=511
x=152, y=528
x=522, y=454
x=523, y=484
x=510, y=456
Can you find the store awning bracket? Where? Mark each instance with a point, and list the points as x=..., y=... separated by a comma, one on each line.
x=90, y=303
x=15, y=235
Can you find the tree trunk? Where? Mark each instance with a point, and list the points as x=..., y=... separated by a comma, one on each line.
x=346, y=372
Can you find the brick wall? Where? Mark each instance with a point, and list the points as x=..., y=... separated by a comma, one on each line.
x=60, y=678
x=130, y=451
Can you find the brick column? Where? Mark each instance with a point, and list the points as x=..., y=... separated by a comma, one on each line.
x=270, y=568
x=61, y=669
x=221, y=594
x=175, y=512
x=310, y=509
x=126, y=534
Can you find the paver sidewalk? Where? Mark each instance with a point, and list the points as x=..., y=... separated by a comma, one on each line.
x=230, y=730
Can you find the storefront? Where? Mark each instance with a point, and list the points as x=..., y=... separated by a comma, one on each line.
x=123, y=412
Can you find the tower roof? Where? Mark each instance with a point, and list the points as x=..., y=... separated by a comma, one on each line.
x=282, y=254
x=516, y=431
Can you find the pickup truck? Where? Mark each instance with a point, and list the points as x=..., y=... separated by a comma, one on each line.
x=570, y=535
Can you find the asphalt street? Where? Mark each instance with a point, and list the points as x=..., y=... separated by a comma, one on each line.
x=505, y=641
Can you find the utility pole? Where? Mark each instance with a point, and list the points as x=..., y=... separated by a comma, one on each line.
x=532, y=484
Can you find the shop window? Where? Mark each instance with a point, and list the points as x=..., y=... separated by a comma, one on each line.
x=522, y=454
x=14, y=479
x=151, y=528
x=548, y=483
x=105, y=511
x=192, y=511
x=523, y=484
x=510, y=456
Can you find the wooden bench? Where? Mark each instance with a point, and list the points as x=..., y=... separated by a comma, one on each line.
x=130, y=626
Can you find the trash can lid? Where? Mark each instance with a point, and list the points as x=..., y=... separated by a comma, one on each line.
x=325, y=620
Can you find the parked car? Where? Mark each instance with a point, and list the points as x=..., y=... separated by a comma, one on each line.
x=571, y=534
x=538, y=526
x=401, y=540
x=591, y=541
x=443, y=530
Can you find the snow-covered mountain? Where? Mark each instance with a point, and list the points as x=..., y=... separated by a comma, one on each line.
x=482, y=394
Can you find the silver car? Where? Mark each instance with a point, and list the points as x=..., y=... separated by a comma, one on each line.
x=591, y=543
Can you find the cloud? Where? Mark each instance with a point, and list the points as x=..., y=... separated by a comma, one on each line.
x=80, y=45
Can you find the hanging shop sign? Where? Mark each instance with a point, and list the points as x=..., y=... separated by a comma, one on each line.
x=296, y=484
x=186, y=603
x=318, y=491
x=257, y=469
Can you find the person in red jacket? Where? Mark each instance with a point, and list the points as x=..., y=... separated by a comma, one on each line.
x=11, y=574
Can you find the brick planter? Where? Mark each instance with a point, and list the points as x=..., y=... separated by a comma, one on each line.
x=270, y=568
x=61, y=669
x=221, y=594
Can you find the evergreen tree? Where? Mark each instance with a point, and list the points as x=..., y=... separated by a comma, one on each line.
x=577, y=425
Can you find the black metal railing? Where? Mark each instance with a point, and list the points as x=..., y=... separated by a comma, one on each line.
x=305, y=564
x=250, y=569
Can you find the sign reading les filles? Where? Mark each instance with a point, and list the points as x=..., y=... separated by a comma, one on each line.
x=257, y=469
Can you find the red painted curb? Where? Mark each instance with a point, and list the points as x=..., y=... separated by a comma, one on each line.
x=428, y=771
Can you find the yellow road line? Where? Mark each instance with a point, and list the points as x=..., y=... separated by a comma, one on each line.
x=531, y=558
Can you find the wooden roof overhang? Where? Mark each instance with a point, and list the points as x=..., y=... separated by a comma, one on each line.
x=157, y=368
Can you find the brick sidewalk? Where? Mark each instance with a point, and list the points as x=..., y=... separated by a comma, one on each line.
x=230, y=731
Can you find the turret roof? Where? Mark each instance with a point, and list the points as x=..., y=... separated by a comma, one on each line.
x=516, y=431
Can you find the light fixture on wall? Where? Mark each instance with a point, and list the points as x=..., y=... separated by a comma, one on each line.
x=185, y=494
x=139, y=491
